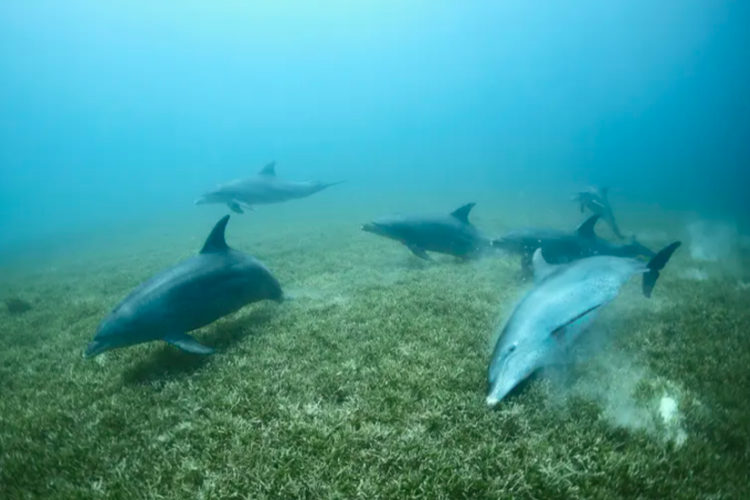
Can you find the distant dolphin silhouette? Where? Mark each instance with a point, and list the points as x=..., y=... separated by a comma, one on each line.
x=262, y=189
x=197, y=291
x=450, y=234
x=597, y=200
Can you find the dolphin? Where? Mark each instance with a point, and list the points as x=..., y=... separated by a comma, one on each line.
x=264, y=188
x=562, y=304
x=450, y=234
x=189, y=295
x=597, y=200
x=561, y=247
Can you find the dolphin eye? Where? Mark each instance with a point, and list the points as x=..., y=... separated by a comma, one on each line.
x=512, y=348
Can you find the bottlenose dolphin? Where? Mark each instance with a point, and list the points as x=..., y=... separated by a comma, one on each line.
x=450, y=234
x=563, y=303
x=561, y=247
x=262, y=189
x=193, y=293
x=597, y=200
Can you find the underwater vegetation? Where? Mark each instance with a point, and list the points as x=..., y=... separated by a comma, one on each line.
x=16, y=305
x=370, y=384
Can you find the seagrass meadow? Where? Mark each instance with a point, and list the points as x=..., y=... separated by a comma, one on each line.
x=370, y=383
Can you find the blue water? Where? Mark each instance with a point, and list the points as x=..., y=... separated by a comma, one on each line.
x=114, y=110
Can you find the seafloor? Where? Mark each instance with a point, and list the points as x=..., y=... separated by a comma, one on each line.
x=371, y=383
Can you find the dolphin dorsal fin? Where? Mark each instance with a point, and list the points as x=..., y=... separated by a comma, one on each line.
x=269, y=170
x=215, y=241
x=586, y=230
x=541, y=267
x=462, y=213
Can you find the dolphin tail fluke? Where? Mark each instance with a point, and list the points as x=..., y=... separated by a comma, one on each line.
x=657, y=264
x=616, y=229
x=329, y=184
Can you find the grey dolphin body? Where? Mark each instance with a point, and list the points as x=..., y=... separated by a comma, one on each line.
x=189, y=295
x=450, y=234
x=561, y=247
x=262, y=189
x=563, y=303
x=597, y=200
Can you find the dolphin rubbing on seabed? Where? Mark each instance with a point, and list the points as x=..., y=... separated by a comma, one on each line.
x=195, y=292
x=563, y=303
x=264, y=188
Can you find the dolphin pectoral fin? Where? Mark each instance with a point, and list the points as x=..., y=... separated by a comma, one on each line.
x=419, y=252
x=188, y=344
x=582, y=207
x=235, y=207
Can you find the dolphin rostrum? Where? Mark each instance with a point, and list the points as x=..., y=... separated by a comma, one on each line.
x=189, y=295
x=561, y=247
x=564, y=301
x=597, y=200
x=263, y=188
x=450, y=234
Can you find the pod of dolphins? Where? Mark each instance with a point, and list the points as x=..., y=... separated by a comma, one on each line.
x=575, y=273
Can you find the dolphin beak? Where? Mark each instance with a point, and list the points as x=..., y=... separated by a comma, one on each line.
x=200, y=201
x=503, y=385
x=498, y=392
x=94, y=349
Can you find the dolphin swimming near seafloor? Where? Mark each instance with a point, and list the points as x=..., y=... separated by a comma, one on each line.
x=597, y=200
x=561, y=247
x=450, y=234
x=562, y=304
x=263, y=188
x=189, y=295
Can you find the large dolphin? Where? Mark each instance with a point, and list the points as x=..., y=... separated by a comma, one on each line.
x=187, y=296
x=561, y=247
x=262, y=189
x=597, y=200
x=563, y=303
x=450, y=234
